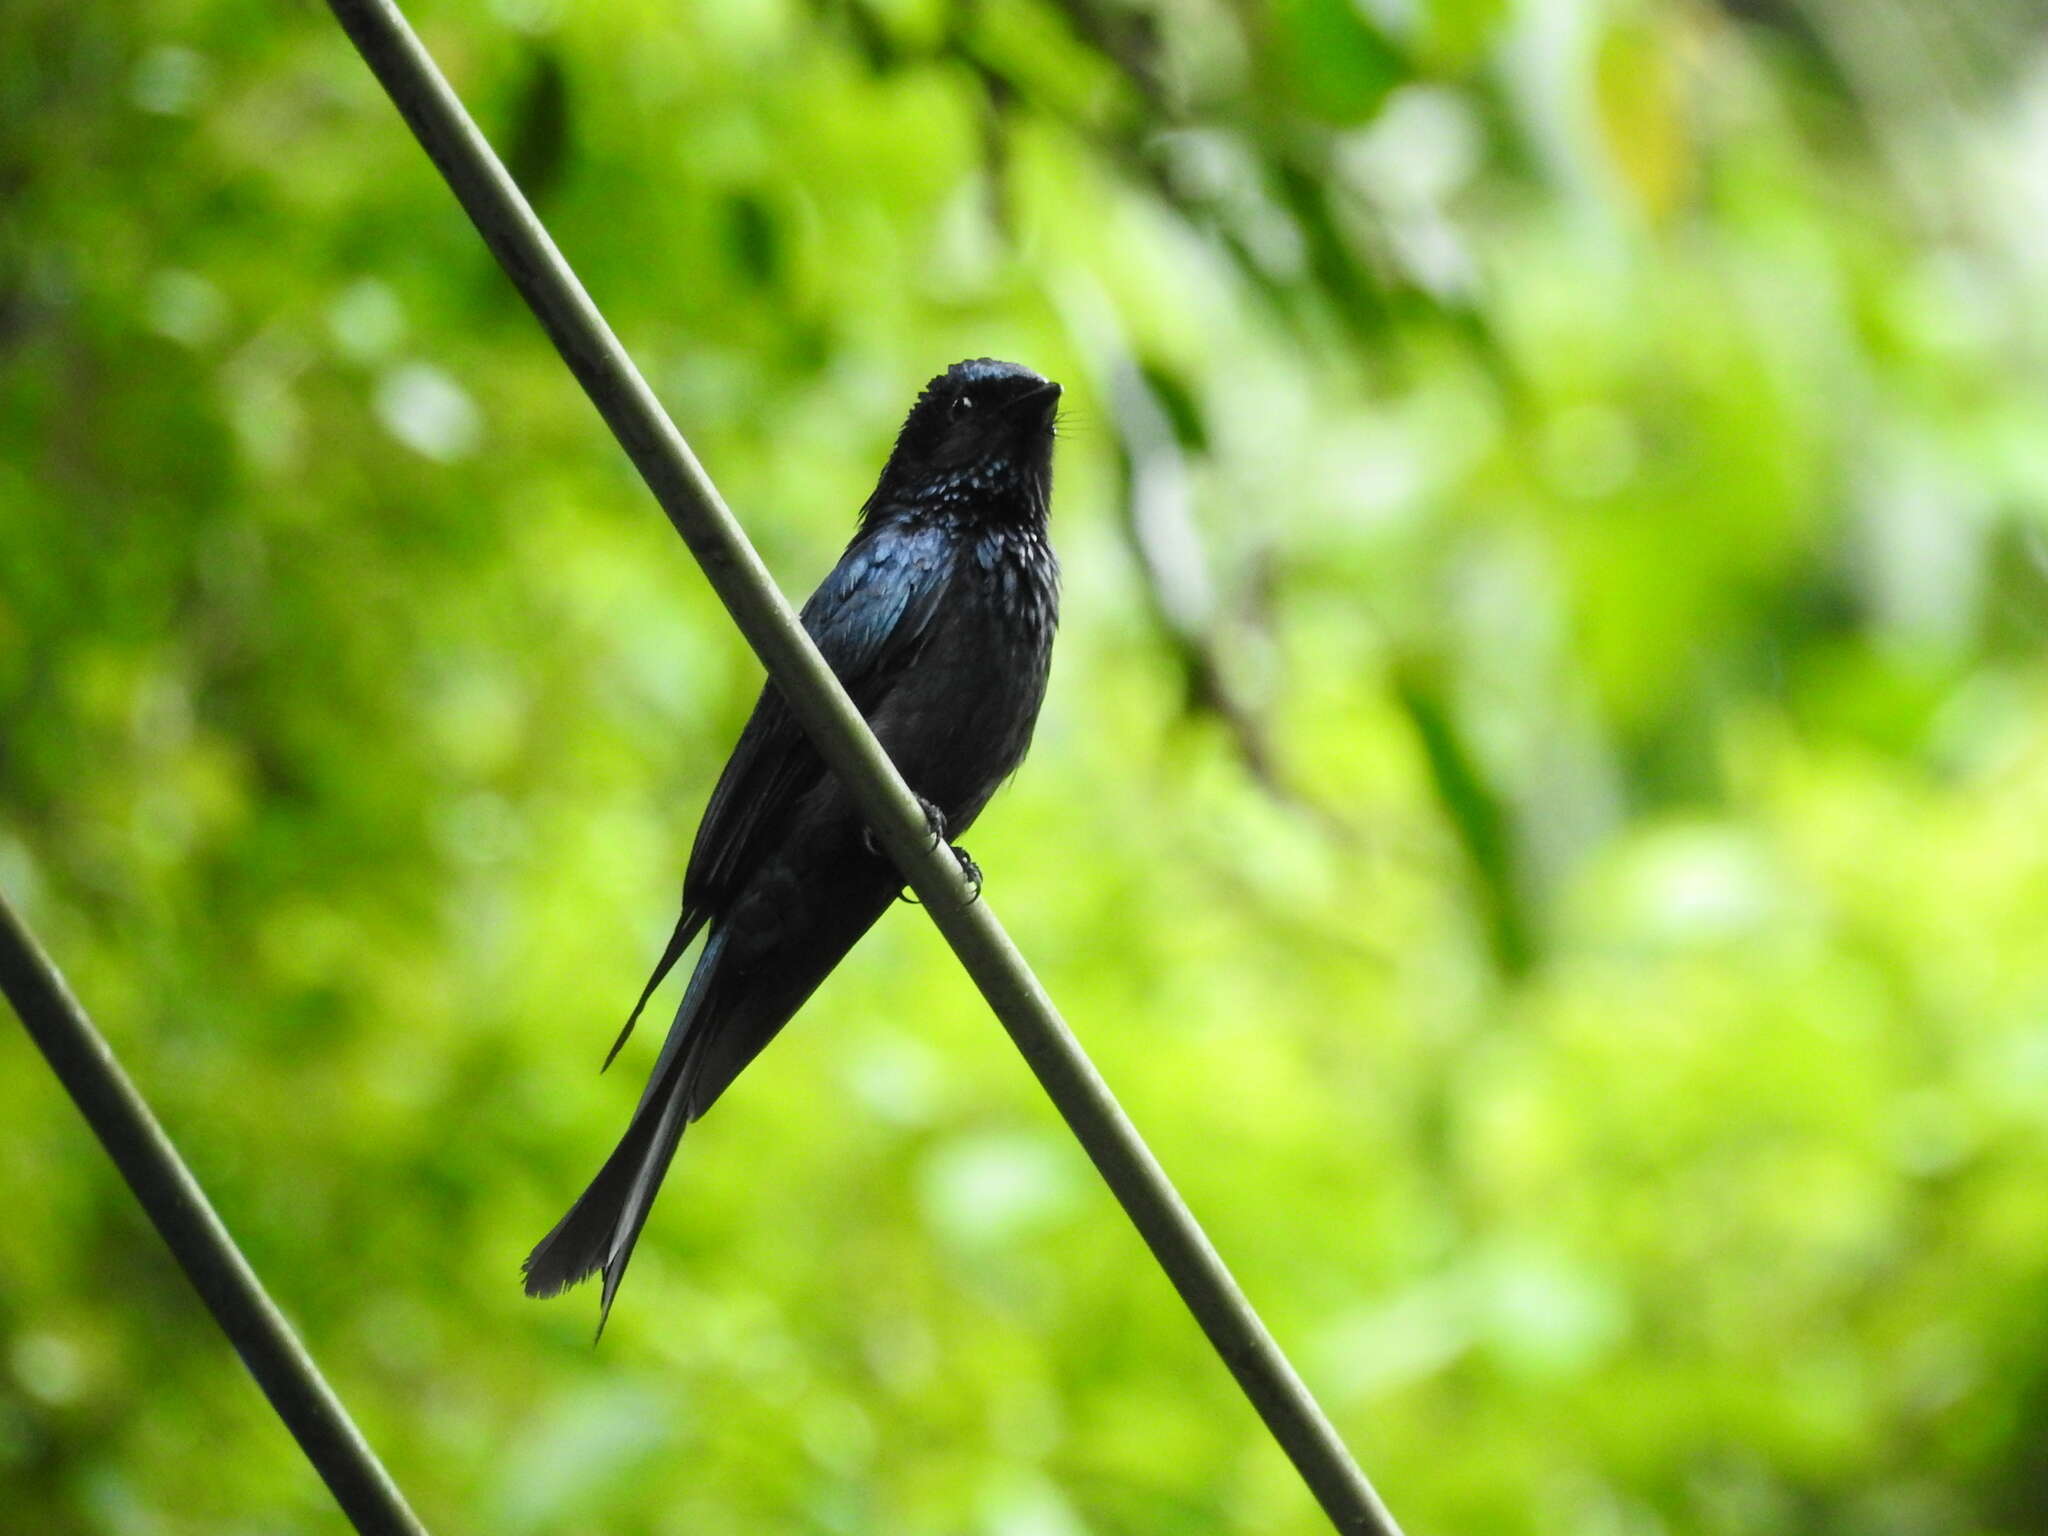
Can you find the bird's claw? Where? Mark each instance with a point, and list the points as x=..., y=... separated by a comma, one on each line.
x=970, y=872
x=934, y=823
x=934, y=820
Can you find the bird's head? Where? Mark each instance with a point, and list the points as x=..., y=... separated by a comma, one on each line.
x=979, y=440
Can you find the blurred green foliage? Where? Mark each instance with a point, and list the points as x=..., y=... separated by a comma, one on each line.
x=1540, y=813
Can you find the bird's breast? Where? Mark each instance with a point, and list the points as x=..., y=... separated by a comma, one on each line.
x=961, y=719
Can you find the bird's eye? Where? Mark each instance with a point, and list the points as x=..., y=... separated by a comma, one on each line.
x=962, y=404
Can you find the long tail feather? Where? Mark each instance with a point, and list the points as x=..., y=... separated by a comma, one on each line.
x=600, y=1229
x=686, y=930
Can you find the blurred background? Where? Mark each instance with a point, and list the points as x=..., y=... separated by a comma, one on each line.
x=1540, y=812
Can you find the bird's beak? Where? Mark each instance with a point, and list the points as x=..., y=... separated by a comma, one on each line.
x=1043, y=397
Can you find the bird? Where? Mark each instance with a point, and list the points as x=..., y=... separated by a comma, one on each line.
x=938, y=619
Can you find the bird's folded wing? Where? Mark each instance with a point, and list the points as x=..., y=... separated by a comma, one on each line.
x=869, y=618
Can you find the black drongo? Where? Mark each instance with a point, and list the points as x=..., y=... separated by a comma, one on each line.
x=939, y=620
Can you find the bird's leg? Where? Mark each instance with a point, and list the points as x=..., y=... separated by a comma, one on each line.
x=970, y=872
x=935, y=823
x=934, y=820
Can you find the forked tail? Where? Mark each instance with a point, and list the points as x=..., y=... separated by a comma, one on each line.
x=603, y=1225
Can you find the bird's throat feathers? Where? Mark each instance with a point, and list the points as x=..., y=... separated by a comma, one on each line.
x=989, y=493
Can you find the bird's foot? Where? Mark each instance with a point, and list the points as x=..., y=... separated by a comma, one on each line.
x=970, y=872
x=934, y=823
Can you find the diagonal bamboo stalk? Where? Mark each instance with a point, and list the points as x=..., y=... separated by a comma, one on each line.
x=523, y=248
x=118, y=1115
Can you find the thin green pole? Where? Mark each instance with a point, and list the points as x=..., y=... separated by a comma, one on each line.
x=118, y=1115
x=523, y=248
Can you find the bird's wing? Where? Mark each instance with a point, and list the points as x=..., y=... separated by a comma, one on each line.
x=868, y=617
